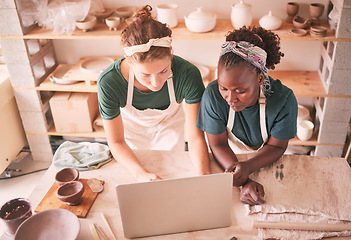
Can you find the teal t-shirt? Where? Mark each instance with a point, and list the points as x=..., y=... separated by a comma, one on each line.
x=281, y=115
x=112, y=89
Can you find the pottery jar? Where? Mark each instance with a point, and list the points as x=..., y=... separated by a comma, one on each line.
x=167, y=13
x=241, y=15
x=270, y=22
x=200, y=21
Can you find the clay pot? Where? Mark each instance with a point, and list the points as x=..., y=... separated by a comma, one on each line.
x=241, y=15
x=200, y=21
x=112, y=23
x=300, y=22
x=270, y=21
x=316, y=10
x=292, y=9
x=167, y=13
x=66, y=175
x=87, y=24
x=71, y=193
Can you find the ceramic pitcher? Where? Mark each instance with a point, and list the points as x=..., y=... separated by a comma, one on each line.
x=241, y=15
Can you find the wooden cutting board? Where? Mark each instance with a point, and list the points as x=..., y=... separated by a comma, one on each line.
x=50, y=200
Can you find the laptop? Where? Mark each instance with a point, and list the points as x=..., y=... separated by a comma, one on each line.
x=175, y=205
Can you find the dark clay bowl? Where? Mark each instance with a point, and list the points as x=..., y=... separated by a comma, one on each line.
x=66, y=175
x=300, y=22
x=71, y=193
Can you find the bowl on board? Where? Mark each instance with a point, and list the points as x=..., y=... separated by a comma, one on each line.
x=53, y=224
x=71, y=193
x=66, y=175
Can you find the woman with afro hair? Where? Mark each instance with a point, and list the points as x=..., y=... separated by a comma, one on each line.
x=246, y=111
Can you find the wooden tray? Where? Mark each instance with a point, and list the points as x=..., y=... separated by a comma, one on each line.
x=50, y=200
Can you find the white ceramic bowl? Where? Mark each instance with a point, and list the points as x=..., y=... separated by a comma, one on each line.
x=87, y=24
x=303, y=113
x=53, y=224
x=112, y=22
x=126, y=11
x=200, y=21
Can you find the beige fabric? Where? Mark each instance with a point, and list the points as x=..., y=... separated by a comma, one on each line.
x=303, y=191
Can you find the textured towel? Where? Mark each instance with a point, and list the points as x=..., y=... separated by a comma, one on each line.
x=82, y=155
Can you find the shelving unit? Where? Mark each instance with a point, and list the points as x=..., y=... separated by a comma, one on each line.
x=314, y=84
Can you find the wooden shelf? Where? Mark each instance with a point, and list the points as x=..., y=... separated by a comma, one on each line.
x=180, y=32
x=52, y=132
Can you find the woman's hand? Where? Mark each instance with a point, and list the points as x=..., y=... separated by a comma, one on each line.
x=147, y=177
x=252, y=193
x=240, y=171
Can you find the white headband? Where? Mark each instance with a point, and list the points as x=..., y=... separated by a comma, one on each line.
x=159, y=42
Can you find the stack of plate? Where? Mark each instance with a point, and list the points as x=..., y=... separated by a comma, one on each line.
x=318, y=31
x=58, y=75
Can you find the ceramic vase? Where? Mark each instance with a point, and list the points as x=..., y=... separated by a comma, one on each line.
x=292, y=9
x=241, y=15
x=316, y=10
x=270, y=22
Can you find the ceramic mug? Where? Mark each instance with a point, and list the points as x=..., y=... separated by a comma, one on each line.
x=305, y=130
x=13, y=213
x=167, y=13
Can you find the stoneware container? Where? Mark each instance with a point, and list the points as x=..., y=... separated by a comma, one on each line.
x=112, y=23
x=71, y=193
x=292, y=8
x=167, y=13
x=270, y=21
x=87, y=24
x=53, y=224
x=13, y=213
x=200, y=21
x=305, y=130
x=241, y=15
x=300, y=22
x=66, y=175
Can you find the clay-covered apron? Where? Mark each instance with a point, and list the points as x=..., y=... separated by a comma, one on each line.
x=235, y=143
x=153, y=129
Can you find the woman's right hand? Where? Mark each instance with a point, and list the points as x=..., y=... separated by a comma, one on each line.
x=147, y=177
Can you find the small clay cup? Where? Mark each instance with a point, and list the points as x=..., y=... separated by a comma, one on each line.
x=71, y=193
x=300, y=22
x=292, y=8
x=316, y=10
x=66, y=175
x=14, y=212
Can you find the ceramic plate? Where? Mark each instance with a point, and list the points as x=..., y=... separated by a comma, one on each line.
x=53, y=224
x=60, y=71
x=95, y=65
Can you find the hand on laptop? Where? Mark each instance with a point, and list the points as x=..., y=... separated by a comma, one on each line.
x=252, y=193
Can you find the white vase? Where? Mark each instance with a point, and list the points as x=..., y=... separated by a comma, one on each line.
x=241, y=15
x=270, y=21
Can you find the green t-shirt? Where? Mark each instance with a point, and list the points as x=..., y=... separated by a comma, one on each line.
x=281, y=115
x=112, y=89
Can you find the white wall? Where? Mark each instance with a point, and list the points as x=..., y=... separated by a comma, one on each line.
x=298, y=55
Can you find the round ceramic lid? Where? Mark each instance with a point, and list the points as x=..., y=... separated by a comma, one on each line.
x=199, y=14
x=242, y=4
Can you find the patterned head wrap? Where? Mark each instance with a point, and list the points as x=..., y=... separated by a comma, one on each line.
x=159, y=42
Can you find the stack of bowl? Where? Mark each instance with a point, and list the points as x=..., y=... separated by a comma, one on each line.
x=318, y=31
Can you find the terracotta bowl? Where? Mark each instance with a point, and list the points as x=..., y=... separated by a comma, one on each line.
x=300, y=22
x=66, y=175
x=53, y=224
x=298, y=32
x=71, y=193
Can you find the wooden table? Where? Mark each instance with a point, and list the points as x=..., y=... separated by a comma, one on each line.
x=166, y=165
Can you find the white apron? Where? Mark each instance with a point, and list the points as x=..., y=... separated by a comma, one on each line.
x=153, y=129
x=235, y=143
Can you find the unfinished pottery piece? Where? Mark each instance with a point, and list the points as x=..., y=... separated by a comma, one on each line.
x=292, y=9
x=112, y=23
x=298, y=32
x=318, y=31
x=53, y=224
x=71, y=193
x=87, y=24
x=95, y=185
x=66, y=175
x=13, y=213
x=316, y=11
x=300, y=22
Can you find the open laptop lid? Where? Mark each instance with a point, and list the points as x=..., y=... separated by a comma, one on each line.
x=175, y=205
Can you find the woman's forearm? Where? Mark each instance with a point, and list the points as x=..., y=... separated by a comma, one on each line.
x=199, y=154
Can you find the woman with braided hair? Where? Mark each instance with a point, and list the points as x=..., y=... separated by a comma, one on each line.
x=140, y=94
x=246, y=111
